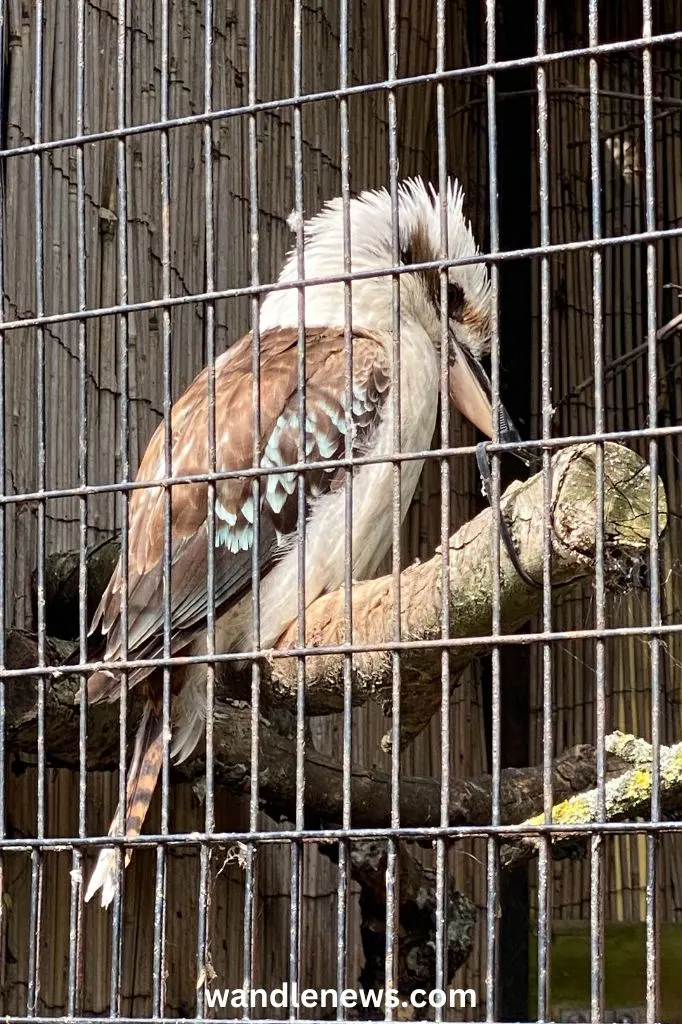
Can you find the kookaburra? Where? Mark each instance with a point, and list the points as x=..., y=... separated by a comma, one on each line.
x=326, y=423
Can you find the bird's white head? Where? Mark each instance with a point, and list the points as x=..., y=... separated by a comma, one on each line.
x=421, y=241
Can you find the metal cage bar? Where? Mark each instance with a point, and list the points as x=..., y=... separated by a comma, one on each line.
x=386, y=85
x=35, y=924
x=392, y=921
x=545, y=857
x=250, y=857
x=124, y=432
x=76, y=951
x=296, y=848
x=652, y=843
x=343, y=884
x=445, y=512
x=203, y=909
x=4, y=30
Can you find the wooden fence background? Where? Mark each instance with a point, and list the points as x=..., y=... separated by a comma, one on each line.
x=622, y=152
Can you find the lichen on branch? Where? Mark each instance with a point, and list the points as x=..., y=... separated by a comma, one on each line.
x=626, y=797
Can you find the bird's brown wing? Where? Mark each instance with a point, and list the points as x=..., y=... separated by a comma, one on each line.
x=325, y=427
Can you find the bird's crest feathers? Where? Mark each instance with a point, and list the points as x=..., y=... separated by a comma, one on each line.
x=418, y=213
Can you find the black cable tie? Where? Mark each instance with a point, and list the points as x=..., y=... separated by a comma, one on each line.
x=487, y=487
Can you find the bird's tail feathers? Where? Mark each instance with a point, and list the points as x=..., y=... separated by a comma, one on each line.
x=142, y=775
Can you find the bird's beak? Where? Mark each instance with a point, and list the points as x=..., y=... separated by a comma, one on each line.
x=471, y=393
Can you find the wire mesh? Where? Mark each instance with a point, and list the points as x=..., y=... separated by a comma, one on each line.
x=215, y=206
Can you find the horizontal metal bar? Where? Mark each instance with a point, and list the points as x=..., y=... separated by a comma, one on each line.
x=512, y=639
x=551, y=444
x=383, y=85
x=559, y=249
x=315, y=835
x=243, y=1015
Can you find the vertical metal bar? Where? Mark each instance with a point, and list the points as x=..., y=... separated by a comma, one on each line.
x=33, y=991
x=124, y=415
x=344, y=846
x=597, y=841
x=250, y=858
x=297, y=847
x=492, y=870
x=441, y=978
x=652, y=841
x=159, y=948
x=203, y=922
x=392, y=881
x=3, y=574
x=76, y=906
x=544, y=860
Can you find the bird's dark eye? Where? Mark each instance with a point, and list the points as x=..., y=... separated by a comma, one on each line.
x=455, y=301
x=406, y=256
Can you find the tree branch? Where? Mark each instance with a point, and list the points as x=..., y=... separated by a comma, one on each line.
x=470, y=799
x=627, y=796
x=469, y=803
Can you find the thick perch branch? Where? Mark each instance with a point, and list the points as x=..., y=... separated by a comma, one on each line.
x=572, y=532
